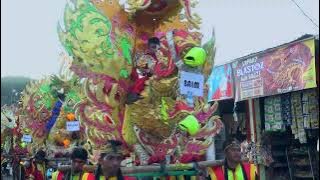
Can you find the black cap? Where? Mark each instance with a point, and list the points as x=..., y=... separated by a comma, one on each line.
x=229, y=142
x=154, y=40
x=40, y=155
x=79, y=153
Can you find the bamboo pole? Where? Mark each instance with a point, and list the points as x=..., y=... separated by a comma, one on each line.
x=170, y=167
x=153, y=168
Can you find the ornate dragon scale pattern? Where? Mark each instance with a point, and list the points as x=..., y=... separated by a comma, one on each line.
x=103, y=41
x=36, y=108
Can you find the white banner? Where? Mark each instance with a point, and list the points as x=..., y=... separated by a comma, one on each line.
x=73, y=126
x=27, y=138
x=191, y=83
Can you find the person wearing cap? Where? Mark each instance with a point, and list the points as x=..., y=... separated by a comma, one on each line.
x=35, y=168
x=233, y=168
x=79, y=157
x=109, y=162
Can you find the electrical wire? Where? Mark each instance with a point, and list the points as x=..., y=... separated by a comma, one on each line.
x=305, y=14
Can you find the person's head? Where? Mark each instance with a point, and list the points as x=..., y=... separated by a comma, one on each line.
x=79, y=157
x=232, y=150
x=111, y=158
x=40, y=156
x=154, y=44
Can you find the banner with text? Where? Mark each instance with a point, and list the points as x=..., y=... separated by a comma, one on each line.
x=220, y=83
x=73, y=126
x=283, y=70
x=191, y=83
x=26, y=138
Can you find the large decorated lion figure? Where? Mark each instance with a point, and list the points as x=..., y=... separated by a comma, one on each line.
x=46, y=106
x=136, y=73
x=132, y=95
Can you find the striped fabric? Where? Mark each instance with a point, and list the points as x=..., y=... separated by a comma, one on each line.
x=59, y=176
x=217, y=173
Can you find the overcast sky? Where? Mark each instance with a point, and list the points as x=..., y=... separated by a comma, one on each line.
x=30, y=46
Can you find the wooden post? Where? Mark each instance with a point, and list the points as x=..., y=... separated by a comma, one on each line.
x=252, y=120
x=211, y=151
x=258, y=128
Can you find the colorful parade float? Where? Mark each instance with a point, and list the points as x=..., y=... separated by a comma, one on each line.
x=8, y=123
x=136, y=72
x=45, y=108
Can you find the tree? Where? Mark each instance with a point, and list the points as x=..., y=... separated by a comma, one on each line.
x=11, y=88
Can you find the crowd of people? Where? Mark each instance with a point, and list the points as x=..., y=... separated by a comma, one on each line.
x=109, y=165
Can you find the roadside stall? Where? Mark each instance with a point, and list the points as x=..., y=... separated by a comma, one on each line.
x=280, y=85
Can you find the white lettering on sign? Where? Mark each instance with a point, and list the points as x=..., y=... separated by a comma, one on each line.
x=73, y=126
x=191, y=83
x=249, y=61
x=252, y=68
x=27, y=138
